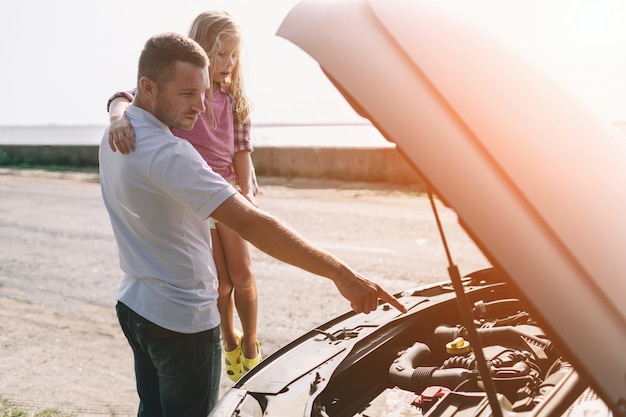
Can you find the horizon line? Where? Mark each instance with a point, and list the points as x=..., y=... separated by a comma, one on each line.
x=258, y=124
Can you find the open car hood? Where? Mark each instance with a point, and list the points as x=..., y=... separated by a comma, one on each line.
x=537, y=181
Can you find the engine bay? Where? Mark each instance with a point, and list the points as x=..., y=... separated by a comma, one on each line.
x=443, y=374
x=435, y=372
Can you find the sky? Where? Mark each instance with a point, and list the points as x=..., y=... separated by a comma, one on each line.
x=62, y=59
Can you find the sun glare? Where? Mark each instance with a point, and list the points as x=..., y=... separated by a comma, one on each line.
x=582, y=33
x=592, y=22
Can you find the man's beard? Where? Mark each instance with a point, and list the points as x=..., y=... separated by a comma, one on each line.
x=166, y=114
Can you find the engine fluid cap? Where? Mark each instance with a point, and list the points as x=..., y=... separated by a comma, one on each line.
x=458, y=346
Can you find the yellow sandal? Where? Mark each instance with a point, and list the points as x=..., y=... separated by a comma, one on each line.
x=251, y=363
x=233, y=359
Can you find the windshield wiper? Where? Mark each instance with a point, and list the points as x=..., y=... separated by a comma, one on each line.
x=466, y=316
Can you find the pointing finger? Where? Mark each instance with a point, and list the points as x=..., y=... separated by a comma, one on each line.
x=385, y=296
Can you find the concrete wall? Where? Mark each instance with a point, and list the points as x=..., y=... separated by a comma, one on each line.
x=383, y=164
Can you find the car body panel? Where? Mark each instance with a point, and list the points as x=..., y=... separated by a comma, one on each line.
x=538, y=180
x=301, y=358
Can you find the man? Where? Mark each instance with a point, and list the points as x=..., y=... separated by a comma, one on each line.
x=159, y=199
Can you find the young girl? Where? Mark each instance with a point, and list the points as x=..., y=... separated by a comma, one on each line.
x=222, y=136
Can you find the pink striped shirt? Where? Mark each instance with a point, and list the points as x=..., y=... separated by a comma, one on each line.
x=218, y=145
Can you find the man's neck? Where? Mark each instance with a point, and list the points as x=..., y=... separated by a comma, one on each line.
x=139, y=102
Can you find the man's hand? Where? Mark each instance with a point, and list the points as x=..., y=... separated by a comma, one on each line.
x=364, y=294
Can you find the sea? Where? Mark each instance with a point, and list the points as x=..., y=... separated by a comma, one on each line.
x=273, y=134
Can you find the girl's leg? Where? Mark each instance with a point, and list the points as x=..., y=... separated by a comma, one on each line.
x=225, y=299
x=239, y=265
x=230, y=340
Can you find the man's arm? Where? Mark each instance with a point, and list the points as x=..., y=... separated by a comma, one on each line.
x=279, y=241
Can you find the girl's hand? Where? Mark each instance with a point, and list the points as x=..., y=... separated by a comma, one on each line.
x=121, y=136
x=251, y=198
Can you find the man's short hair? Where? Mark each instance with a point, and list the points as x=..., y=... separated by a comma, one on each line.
x=161, y=53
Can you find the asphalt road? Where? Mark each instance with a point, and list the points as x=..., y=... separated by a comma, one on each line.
x=57, y=247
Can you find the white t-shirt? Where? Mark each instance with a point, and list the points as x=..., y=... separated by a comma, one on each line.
x=159, y=199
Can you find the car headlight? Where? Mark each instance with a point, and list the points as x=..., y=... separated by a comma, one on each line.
x=236, y=403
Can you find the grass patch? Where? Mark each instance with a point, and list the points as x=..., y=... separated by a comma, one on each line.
x=50, y=168
x=8, y=409
x=30, y=156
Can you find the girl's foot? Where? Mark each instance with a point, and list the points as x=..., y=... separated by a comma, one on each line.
x=233, y=359
x=251, y=363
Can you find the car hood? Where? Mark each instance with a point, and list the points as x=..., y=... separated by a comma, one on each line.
x=537, y=180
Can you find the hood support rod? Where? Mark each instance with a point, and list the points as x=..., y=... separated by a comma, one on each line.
x=466, y=315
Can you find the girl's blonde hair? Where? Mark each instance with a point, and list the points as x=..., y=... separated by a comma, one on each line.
x=207, y=29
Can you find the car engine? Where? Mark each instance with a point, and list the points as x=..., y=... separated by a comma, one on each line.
x=440, y=377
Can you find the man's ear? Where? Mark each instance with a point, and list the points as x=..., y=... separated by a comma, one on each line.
x=148, y=87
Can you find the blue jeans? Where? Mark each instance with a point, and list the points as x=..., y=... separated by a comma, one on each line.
x=177, y=374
